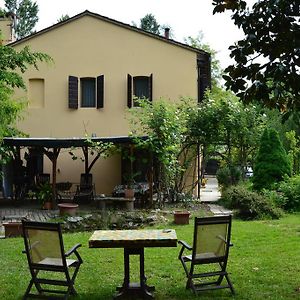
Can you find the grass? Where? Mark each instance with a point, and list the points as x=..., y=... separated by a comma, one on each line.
x=263, y=264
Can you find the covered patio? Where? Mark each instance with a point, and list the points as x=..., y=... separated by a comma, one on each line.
x=51, y=148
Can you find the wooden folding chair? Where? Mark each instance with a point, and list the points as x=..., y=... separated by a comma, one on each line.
x=210, y=247
x=85, y=190
x=48, y=263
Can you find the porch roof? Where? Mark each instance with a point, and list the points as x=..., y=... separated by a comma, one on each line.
x=48, y=142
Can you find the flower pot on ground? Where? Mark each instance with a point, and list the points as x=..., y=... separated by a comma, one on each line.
x=67, y=209
x=181, y=217
x=12, y=229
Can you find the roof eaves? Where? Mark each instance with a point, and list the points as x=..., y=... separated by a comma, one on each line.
x=115, y=22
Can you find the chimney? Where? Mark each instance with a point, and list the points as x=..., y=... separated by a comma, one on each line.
x=167, y=33
x=7, y=28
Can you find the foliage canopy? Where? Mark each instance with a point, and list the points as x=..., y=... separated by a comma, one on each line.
x=26, y=12
x=267, y=60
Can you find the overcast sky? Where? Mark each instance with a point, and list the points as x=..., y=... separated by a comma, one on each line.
x=185, y=17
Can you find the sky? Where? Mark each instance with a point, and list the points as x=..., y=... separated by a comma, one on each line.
x=185, y=17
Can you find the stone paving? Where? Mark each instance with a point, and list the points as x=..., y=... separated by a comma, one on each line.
x=209, y=195
x=9, y=213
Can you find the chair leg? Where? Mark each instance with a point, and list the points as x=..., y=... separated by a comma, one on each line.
x=37, y=285
x=230, y=284
x=28, y=289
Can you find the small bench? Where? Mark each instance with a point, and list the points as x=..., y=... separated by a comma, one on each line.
x=102, y=201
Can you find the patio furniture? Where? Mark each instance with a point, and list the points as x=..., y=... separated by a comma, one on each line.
x=45, y=254
x=85, y=190
x=210, y=246
x=133, y=242
x=42, y=178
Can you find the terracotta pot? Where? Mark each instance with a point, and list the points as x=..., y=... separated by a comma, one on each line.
x=181, y=217
x=47, y=205
x=129, y=193
x=67, y=209
x=13, y=229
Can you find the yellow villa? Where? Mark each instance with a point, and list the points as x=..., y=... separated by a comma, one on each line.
x=99, y=65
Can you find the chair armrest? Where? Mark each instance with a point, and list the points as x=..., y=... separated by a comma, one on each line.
x=72, y=250
x=185, y=245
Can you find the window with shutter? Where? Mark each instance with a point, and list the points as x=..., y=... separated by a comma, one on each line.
x=88, y=92
x=100, y=91
x=204, y=78
x=129, y=90
x=139, y=87
x=73, y=92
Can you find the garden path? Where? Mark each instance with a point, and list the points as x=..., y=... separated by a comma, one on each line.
x=211, y=194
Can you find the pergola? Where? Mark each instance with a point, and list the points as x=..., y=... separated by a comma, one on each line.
x=51, y=148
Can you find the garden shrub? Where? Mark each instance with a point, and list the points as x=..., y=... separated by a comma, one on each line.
x=250, y=204
x=228, y=176
x=290, y=188
x=272, y=162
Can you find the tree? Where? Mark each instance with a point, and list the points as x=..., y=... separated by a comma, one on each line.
x=63, y=18
x=226, y=128
x=11, y=63
x=197, y=42
x=149, y=23
x=165, y=124
x=26, y=13
x=272, y=162
x=267, y=60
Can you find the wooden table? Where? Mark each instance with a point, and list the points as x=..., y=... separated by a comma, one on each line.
x=133, y=242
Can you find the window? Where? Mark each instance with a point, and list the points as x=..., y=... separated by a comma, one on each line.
x=204, y=76
x=91, y=92
x=141, y=87
x=138, y=87
x=88, y=92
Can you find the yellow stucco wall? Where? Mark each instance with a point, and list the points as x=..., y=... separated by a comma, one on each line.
x=89, y=47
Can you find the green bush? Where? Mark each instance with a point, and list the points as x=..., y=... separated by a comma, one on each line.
x=228, y=176
x=272, y=162
x=290, y=188
x=249, y=204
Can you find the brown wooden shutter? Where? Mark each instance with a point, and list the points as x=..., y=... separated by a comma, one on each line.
x=73, y=92
x=129, y=90
x=100, y=91
x=150, y=87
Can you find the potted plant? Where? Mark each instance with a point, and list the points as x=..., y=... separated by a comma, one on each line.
x=204, y=182
x=129, y=184
x=44, y=195
x=181, y=217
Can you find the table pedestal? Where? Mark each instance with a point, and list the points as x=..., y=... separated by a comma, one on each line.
x=134, y=290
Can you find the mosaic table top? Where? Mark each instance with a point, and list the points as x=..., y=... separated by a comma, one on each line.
x=133, y=238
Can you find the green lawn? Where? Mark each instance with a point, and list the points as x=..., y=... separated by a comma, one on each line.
x=263, y=264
